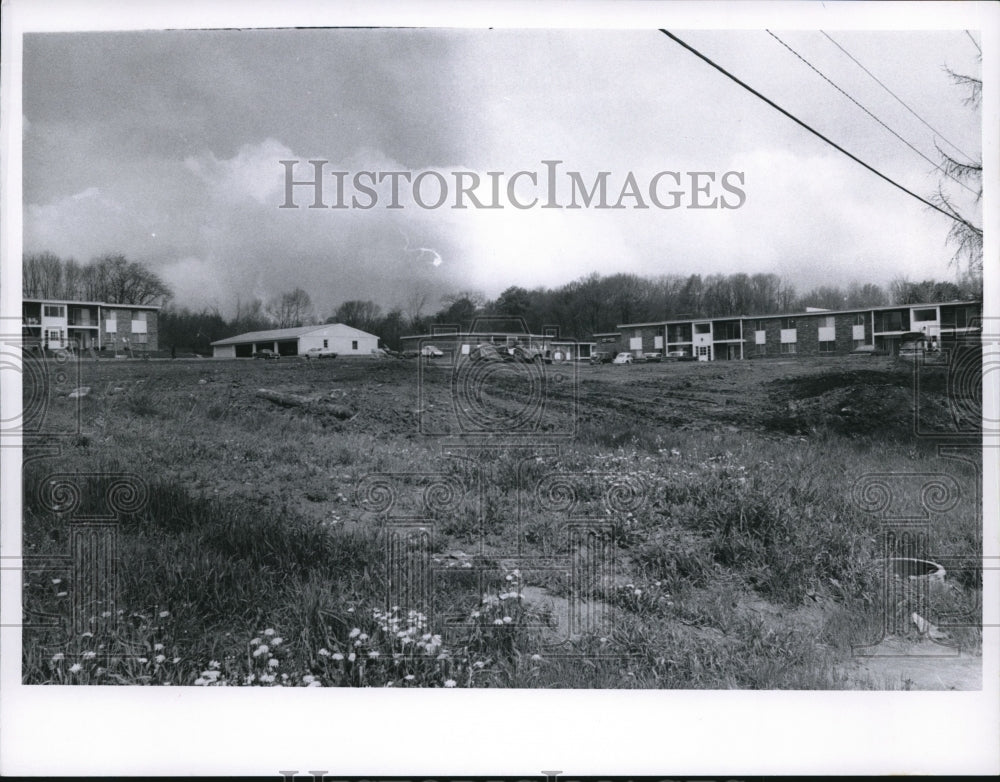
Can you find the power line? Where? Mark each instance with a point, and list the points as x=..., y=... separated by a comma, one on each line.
x=816, y=133
x=862, y=67
x=866, y=111
x=974, y=43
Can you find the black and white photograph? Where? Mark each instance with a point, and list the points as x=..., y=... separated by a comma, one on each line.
x=648, y=358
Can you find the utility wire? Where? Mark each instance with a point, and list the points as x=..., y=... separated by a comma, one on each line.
x=862, y=67
x=795, y=119
x=974, y=43
x=866, y=111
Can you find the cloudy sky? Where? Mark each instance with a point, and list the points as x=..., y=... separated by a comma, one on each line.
x=165, y=146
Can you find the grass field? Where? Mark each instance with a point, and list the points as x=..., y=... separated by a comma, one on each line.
x=389, y=523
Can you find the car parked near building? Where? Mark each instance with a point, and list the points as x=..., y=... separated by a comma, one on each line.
x=601, y=357
x=485, y=352
x=431, y=352
x=266, y=353
x=622, y=358
x=318, y=353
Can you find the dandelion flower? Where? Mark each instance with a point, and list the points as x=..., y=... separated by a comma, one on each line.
x=199, y=682
x=57, y=657
x=262, y=649
x=159, y=659
x=176, y=659
x=308, y=679
x=273, y=663
x=337, y=656
x=314, y=683
x=498, y=621
x=354, y=633
x=213, y=663
x=164, y=614
x=56, y=580
x=254, y=641
x=276, y=641
x=450, y=683
x=507, y=620
x=89, y=655
x=479, y=664
x=374, y=655
x=75, y=668
x=143, y=660
x=88, y=634
x=269, y=631
x=352, y=657
x=105, y=614
x=323, y=652
x=61, y=594
x=157, y=647
x=536, y=658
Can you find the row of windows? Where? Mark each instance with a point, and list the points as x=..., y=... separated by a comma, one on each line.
x=789, y=348
x=59, y=311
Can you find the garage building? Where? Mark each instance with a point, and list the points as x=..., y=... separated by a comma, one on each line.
x=337, y=338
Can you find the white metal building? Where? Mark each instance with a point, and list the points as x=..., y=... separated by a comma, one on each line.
x=337, y=338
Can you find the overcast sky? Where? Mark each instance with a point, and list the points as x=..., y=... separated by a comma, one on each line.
x=165, y=146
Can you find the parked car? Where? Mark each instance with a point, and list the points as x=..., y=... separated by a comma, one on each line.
x=318, y=353
x=485, y=352
x=265, y=354
x=601, y=357
x=652, y=356
x=431, y=352
x=622, y=358
x=523, y=353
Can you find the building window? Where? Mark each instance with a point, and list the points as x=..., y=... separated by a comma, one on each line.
x=54, y=311
x=922, y=316
x=354, y=344
x=140, y=339
x=827, y=321
x=702, y=328
x=859, y=319
x=858, y=344
x=787, y=323
x=325, y=345
x=788, y=347
x=111, y=323
x=892, y=321
x=139, y=316
x=761, y=349
x=827, y=347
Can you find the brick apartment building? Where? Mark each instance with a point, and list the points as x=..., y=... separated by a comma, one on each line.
x=814, y=332
x=60, y=324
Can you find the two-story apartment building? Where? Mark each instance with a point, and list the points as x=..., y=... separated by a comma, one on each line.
x=814, y=332
x=60, y=324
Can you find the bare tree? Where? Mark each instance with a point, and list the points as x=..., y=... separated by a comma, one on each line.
x=965, y=234
x=364, y=315
x=291, y=308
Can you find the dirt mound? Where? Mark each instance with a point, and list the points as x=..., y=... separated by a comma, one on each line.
x=860, y=403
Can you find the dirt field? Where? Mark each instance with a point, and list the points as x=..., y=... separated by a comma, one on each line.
x=724, y=544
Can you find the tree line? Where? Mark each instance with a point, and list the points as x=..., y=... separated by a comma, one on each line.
x=592, y=304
